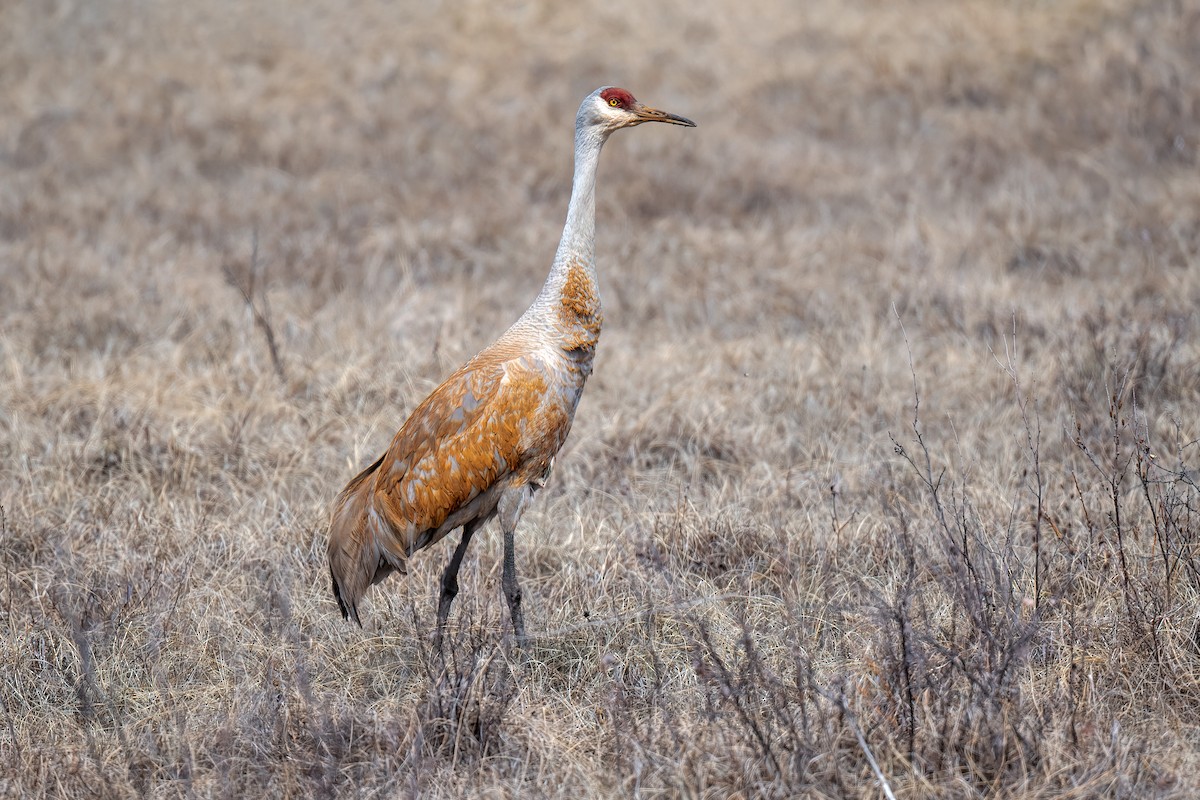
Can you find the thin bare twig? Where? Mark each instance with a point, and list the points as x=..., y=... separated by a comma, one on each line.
x=862, y=743
x=249, y=288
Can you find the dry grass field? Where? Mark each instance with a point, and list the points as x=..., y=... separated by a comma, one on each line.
x=886, y=483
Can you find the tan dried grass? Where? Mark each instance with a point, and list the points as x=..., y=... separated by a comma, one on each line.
x=994, y=201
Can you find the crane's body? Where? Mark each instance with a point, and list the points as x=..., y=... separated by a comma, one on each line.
x=483, y=442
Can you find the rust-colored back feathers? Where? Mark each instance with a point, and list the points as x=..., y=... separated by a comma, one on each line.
x=483, y=442
x=491, y=426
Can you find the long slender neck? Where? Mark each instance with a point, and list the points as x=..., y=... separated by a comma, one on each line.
x=577, y=248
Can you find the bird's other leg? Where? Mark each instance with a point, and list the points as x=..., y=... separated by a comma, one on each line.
x=512, y=589
x=450, y=581
x=510, y=508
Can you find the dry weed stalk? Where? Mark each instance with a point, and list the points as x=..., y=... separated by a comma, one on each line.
x=251, y=284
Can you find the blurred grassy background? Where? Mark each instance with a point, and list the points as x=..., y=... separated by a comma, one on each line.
x=994, y=206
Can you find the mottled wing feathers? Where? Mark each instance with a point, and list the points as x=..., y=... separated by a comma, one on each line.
x=485, y=424
x=454, y=446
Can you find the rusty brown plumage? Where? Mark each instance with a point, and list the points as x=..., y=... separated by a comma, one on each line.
x=483, y=442
x=489, y=426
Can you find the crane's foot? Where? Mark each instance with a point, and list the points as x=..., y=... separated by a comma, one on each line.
x=512, y=589
x=439, y=633
x=439, y=643
x=518, y=618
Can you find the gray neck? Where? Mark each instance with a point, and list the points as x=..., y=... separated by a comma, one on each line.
x=578, y=244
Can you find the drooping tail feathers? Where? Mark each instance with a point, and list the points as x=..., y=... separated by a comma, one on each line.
x=355, y=555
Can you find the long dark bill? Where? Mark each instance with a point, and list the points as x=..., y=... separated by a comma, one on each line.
x=648, y=114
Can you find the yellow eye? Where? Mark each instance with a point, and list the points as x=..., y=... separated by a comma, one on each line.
x=614, y=102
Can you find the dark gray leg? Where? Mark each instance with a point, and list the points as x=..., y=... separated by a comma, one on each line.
x=450, y=581
x=512, y=590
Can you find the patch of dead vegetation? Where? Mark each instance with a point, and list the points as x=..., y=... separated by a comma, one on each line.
x=886, y=480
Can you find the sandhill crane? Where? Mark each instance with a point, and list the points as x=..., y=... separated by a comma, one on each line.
x=484, y=441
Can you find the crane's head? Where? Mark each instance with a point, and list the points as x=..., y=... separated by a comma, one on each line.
x=610, y=108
